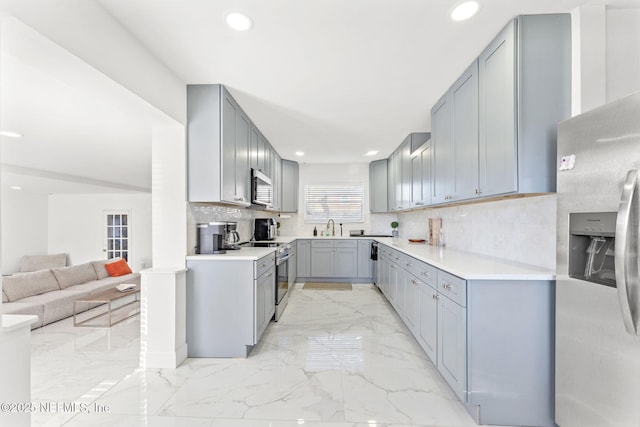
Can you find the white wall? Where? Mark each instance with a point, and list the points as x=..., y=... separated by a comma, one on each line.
x=338, y=173
x=605, y=55
x=24, y=227
x=623, y=52
x=76, y=226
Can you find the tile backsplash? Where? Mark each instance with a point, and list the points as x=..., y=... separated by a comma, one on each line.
x=203, y=212
x=521, y=230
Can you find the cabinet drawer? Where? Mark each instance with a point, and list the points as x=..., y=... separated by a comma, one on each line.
x=322, y=244
x=426, y=273
x=264, y=264
x=453, y=287
x=346, y=244
x=410, y=264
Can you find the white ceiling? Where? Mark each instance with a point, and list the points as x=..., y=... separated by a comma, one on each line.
x=332, y=78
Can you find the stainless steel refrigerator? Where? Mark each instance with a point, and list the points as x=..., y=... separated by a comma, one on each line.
x=598, y=286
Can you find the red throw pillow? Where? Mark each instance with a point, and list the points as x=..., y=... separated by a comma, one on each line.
x=118, y=268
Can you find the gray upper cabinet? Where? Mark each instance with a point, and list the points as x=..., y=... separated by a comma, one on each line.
x=421, y=176
x=391, y=182
x=405, y=177
x=442, y=154
x=276, y=179
x=219, y=134
x=524, y=91
x=289, y=186
x=378, y=186
x=455, y=140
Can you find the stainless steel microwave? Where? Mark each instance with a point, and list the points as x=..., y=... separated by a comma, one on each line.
x=261, y=189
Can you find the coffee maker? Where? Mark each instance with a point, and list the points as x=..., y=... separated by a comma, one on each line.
x=217, y=237
x=265, y=229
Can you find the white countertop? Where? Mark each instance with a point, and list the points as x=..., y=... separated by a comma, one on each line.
x=466, y=265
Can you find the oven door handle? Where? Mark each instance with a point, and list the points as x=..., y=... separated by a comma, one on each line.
x=280, y=260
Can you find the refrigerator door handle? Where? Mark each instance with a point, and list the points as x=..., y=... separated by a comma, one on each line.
x=626, y=252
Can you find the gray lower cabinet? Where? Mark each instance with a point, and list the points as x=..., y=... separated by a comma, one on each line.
x=229, y=305
x=428, y=322
x=303, y=255
x=365, y=265
x=452, y=348
x=492, y=341
x=264, y=301
x=289, y=186
x=334, y=258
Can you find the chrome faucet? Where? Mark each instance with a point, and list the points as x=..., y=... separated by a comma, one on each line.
x=333, y=227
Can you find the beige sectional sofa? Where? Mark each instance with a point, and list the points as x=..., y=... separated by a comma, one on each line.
x=49, y=292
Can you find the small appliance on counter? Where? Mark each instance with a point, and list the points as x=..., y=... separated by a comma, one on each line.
x=217, y=237
x=265, y=229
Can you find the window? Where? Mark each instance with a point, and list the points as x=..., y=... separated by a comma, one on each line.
x=340, y=202
x=117, y=234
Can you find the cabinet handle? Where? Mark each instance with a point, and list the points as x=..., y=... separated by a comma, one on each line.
x=415, y=282
x=434, y=296
x=478, y=191
x=446, y=286
x=419, y=203
x=270, y=274
x=408, y=264
x=397, y=259
x=392, y=266
x=263, y=265
x=425, y=273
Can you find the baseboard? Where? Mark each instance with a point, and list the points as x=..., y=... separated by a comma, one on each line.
x=164, y=359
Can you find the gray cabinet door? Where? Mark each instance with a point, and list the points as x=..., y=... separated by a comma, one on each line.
x=428, y=324
x=290, y=178
x=276, y=180
x=365, y=265
x=411, y=303
x=405, y=179
x=464, y=95
x=391, y=183
x=230, y=114
x=293, y=264
x=452, y=345
x=253, y=148
x=264, y=302
x=498, y=115
x=303, y=254
x=322, y=258
x=421, y=176
x=378, y=197
x=236, y=134
x=243, y=175
x=345, y=259
x=262, y=153
x=442, y=155
x=397, y=179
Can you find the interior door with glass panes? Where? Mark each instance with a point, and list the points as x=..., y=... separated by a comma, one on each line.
x=117, y=232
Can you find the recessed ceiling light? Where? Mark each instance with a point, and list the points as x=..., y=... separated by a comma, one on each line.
x=239, y=21
x=464, y=10
x=10, y=134
x=299, y=153
x=15, y=187
x=372, y=153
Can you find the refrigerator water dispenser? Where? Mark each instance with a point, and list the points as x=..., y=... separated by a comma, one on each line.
x=592, y=247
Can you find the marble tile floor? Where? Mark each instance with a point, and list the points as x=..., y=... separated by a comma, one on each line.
x=335, y=359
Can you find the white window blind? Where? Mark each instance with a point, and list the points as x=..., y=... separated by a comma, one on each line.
x=340, y=202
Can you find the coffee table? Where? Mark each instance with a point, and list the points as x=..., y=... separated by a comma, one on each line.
x=108, y=299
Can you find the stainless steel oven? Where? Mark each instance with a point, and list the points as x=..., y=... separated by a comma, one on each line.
x=282, y=278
